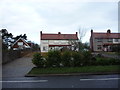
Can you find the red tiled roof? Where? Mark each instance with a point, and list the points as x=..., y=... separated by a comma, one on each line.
x=106, y=35
x=59, y=37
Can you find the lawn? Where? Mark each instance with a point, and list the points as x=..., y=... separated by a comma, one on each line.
x=68, y=70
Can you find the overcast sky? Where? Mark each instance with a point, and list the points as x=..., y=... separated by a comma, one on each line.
x=53, y=16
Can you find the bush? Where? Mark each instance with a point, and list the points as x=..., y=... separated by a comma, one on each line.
x=66, y=58
x=53, y=58
x=38, y=60
x=107, y=61
x=87, y=58
x=77, y=59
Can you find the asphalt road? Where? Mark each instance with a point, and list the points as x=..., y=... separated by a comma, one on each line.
x=88, y=81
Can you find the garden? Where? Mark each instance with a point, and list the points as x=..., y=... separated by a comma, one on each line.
x=57, y=62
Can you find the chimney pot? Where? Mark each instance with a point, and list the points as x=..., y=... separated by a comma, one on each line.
x=91, y=30
x=76, y=33
x=108, y=31
x=41, y=32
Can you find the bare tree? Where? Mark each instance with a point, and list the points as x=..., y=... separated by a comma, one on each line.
x=82, y=33
x=77, y=45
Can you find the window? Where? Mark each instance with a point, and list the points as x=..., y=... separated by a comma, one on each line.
x=110, y=40
x=57, y=41
x=116, y=40
x=45, y=41
x=99, y=47
x=44, y=48
x=20, y=43
x=99, y=40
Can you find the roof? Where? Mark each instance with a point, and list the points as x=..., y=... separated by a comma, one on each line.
x=22, y=40
x=106, y=35
x=59, y=36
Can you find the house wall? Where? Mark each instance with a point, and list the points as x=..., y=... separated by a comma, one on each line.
x=16, y=46
x=45, y=44
x=97, y=43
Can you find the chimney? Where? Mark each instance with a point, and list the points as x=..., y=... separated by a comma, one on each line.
x=91, y=31
x=76, y=33
x=59, y=32
x=108, y=31
x=41, y=32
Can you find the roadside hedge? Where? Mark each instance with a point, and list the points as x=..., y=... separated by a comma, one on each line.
x=38, y=60
x=71, y=59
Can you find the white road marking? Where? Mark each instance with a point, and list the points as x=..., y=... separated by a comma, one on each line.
x=99, y=79
x=26, y=81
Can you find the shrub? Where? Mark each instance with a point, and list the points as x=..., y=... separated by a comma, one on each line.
x=77, y=59
x=38, y=60
x=107, y=61
x=53, y=58
x=87, y=58
x=66, y=58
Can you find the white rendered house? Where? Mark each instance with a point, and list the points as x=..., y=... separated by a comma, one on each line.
x=56, y=41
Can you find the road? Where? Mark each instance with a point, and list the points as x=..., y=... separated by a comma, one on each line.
x=14, y=72
x=88, y=81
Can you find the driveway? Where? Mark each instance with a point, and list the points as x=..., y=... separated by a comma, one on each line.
x=17, y=68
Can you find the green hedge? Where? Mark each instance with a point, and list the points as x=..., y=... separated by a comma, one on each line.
x=71, y=59
x=53, y=58
x=38, y=60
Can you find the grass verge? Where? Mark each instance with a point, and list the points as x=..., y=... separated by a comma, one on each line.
x=68, y=70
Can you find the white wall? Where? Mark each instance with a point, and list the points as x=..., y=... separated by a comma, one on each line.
x=46, y=43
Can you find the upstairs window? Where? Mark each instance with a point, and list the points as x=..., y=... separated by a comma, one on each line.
x=20, y=43
x=99, y=40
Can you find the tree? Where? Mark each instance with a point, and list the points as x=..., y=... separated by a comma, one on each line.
x=82, y=33
x=86, y=45
x=6, y=38
x=24, y=36
x=74, y=45
x=77, y=45
x=35, y=47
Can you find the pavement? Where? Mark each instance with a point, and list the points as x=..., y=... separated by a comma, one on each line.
x=17, y=68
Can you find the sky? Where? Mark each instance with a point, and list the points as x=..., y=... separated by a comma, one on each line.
x=52, y=16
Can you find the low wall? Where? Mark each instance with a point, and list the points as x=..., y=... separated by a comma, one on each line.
x=11, y=55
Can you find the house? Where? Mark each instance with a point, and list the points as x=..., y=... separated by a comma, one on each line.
x=56, y=41
x=104, y=41
x=20, y=44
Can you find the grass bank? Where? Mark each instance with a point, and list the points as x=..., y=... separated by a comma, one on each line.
x=68, y=70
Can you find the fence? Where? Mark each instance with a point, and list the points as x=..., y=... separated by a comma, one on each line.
x=11, y=55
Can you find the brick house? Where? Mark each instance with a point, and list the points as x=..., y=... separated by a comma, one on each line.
x=56, y=41
x=20, y=44
x=104, y=41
